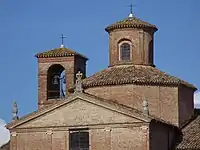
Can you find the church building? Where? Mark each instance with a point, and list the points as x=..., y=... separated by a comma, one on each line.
x=130, y=105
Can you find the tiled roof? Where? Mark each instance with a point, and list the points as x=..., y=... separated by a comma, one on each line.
x=131, y=22
x=191, y=134
x=132, y=74
x=59, y=52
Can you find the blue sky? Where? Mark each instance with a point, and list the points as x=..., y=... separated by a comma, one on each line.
x=31, y=26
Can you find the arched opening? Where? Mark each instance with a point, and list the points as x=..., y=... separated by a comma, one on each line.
x=125, y=48
x=125, y=51
x=56, y=82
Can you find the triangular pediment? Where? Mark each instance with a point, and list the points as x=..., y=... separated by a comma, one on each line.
x=80, y=109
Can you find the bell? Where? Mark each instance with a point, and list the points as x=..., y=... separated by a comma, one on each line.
x=55, y=80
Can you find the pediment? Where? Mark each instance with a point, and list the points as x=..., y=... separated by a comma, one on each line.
x=80, y=110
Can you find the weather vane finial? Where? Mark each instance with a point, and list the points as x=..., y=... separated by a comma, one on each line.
x=62, y=40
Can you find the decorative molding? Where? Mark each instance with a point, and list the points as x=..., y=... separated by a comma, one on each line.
x=13, y=133
x=144, y=128
x=107, y=129
x=49, y=132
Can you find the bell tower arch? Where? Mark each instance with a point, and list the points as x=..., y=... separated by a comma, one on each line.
x=57, y=70
x=56, y=81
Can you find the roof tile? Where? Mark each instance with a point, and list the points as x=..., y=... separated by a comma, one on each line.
x=191, y=134
x=131, y=22
x=59, y=52
x=132, y=74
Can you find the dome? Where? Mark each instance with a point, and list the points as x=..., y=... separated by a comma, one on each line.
x=131, y=22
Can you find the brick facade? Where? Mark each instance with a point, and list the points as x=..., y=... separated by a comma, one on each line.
x=142, y=46
x=186, y=104
x=71, y=65
x=160, y=99
x=109, y=128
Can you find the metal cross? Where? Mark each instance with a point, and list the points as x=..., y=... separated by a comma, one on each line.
x=62, y=38
x=131, y=8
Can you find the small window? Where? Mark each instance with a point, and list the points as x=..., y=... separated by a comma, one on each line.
x=125, y=50
x=79, y=140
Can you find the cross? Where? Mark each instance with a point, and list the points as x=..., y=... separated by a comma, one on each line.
x=131, y=8
x=63, y=37
x=79, y=88
x=79, y=76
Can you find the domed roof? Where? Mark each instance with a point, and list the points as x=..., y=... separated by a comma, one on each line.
x=133, y=74
x=131, y=22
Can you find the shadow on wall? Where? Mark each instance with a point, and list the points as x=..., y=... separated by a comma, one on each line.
x=163, y=136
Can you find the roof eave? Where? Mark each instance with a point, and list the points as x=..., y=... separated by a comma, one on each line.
x=39, y=55
x=110, y=29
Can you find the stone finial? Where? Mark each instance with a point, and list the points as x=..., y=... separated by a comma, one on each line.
x=79, y=88
x=14, y=111
x=145, y=106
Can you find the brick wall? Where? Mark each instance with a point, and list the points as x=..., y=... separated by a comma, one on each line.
x=129, y=138
x=162, y=136
x=40, y=140
x=33, y=141
x=106, y=138
x=142, y=45
x=186, y=104
x=71, y=66
x=163, y=101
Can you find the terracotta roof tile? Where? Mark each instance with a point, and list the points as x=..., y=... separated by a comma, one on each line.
x=59, y=52
x=132, y=74
x=131, y=22
x=191, y=135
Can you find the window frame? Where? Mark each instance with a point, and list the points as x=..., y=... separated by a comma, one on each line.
x=79, y=131
x=120, y=51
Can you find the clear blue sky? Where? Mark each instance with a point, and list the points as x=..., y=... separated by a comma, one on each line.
x=31, y=26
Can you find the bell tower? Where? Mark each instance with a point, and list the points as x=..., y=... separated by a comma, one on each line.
x=57, y=70
x=131, y=42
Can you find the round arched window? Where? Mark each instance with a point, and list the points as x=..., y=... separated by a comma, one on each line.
x=125, y=52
